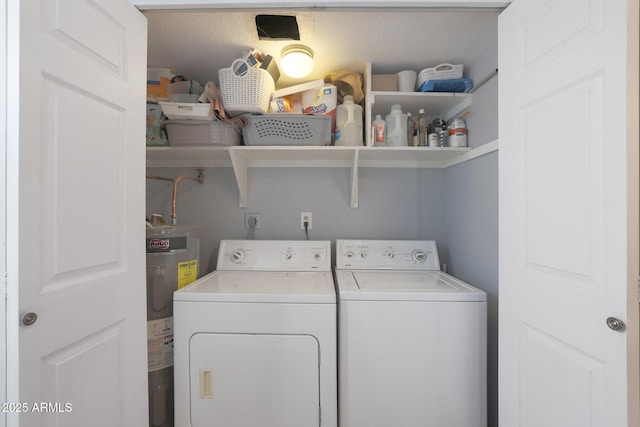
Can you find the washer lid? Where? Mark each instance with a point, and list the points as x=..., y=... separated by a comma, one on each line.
x=266, y=286
x=404, y=286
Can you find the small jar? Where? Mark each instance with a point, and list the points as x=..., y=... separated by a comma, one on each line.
x=433, y=140
x=458, y=134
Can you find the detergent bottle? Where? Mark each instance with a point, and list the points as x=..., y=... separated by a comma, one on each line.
x=396, y=127
x=348, y=122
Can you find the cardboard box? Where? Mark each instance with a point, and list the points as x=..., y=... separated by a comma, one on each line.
x=384, y=82
x=271, y=66
x=158, y=80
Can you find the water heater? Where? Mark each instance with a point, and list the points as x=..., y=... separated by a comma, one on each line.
x=172, y=262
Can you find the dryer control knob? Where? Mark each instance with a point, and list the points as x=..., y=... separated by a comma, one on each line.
x=349, y=254
x=364, y=254
x=237, y=256
x=288, y=255
x=419, y=255
x=317, y=256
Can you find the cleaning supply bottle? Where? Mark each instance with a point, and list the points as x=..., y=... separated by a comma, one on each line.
x=348, y=122
x=378, y=132
x=396, y=127
x=422, y=128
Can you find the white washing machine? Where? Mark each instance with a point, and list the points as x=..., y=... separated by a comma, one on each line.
x=412, y=339
x=255, y=341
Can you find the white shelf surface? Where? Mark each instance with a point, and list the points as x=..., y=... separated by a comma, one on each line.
x=304, y=156
x=241, y=158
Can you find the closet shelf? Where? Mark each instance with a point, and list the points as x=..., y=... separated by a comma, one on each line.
x=286, y=156
x=241, y=158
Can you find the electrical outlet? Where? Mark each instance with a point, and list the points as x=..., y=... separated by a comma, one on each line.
x=248, y=218
x=305, y=217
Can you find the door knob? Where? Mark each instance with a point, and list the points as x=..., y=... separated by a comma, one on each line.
x=29, y=319
x=615, y=324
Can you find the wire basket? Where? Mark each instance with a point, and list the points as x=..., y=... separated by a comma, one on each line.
x=440, y=72
x=245, y=89
x=287, y=129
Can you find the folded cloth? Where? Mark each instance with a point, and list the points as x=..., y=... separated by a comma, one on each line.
x=212, y=95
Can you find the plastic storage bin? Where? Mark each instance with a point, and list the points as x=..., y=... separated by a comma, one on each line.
x=453, y=85
x=287, y=129
x=248, y=92
x=185, y=91
x=199, y=133
x=187, y=111
x=440, y=72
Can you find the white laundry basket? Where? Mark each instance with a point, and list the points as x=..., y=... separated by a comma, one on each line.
x=245, y=89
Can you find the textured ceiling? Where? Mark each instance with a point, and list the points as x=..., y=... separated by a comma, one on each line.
x=198, y=43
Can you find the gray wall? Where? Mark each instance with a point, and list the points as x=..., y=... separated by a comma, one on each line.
x=471, y=212
x=394, y=204
x=471, y=224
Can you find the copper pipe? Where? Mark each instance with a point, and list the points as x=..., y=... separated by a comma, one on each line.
x=199, y=179
x=161, y=178
x=176, y=181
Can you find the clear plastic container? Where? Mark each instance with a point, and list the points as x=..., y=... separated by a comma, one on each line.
x=396, y=127
x=349, y=123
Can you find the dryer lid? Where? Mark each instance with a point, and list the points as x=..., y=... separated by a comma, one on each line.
x=264, y=286
x=404, y=286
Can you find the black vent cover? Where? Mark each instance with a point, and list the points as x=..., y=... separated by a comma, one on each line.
x=277, y=27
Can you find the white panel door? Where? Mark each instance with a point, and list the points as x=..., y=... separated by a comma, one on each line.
x=75, y=210
x=564, y=214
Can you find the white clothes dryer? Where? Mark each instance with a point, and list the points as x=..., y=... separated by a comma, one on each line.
x=255, y=341
x=411, y=338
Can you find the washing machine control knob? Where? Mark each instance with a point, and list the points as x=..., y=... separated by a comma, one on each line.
x=237, y=256
x=419, y=255
x=317, y=256
x=391, y=254
x=364, y=254
x=288, y=255
x=349, y=254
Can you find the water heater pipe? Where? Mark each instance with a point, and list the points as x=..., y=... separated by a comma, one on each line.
x=176, y=181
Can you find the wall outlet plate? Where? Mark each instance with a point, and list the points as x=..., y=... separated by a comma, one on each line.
x=247, y=219
x=306, y=217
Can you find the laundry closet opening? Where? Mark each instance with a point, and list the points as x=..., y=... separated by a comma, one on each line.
x=455, y=205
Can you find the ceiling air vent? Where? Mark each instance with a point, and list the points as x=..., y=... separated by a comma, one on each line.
x=277, y=27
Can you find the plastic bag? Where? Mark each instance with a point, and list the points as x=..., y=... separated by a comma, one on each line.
x=348, y=83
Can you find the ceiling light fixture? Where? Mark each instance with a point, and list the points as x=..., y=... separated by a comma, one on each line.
x=297, y=60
